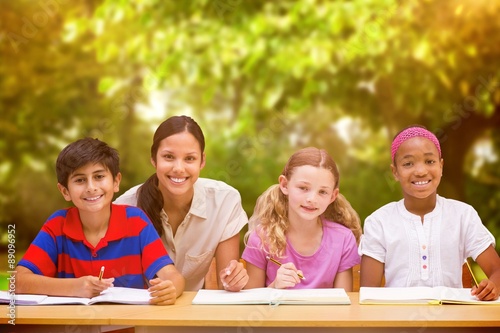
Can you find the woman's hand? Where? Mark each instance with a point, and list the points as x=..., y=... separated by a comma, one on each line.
x=234, y=277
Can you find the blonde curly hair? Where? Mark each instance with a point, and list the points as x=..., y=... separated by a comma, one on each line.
x=270, y=216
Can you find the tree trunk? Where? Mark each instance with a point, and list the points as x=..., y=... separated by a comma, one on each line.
x=457, y=138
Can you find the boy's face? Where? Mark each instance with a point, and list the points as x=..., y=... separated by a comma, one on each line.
x=91, y=187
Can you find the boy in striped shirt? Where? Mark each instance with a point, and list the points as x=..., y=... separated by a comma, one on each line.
x=66, y=256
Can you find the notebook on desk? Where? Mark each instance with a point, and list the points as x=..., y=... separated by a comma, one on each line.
x=419, y=295
x=273, y=296
x=111, y=295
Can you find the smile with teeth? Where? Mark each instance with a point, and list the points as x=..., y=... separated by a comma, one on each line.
x=422, y=182
x=93, y=198
x=178, y=180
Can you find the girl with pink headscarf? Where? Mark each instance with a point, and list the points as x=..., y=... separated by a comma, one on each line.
x=424, y=239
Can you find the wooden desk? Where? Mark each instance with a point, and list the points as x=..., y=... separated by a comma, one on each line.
x=185, y=317
x=66, y=318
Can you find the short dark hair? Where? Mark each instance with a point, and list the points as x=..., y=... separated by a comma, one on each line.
x=82, y=152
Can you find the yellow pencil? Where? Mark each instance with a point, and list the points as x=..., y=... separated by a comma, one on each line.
x=474, y=281
x=101, y=273
x=279, y=264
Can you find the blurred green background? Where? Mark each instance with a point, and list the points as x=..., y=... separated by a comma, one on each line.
x=262, y=78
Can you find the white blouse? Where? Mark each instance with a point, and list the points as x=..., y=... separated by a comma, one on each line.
x=216, y=214
x=431, y=253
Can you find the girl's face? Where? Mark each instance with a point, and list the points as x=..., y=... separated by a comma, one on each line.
x=310, y=190
x=179, y=160
x=418, y=168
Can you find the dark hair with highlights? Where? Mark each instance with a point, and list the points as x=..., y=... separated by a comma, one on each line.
x=149, y=197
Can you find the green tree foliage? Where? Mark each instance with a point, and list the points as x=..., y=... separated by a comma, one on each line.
x=263, y=78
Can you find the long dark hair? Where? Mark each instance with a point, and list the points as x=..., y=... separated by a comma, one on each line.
x=150, y=198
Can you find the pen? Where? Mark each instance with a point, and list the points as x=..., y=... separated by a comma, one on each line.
x=279, y=264
x=474, y=281
x=101, y=273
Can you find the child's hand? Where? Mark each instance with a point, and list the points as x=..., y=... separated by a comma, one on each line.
x=486, y=291
x=287, y=276
x=90, y=286
x=234, y=277
x=162, y=292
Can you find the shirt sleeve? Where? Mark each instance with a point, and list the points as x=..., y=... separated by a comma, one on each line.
x=478, y=237
x=154, y=254
x=253, y=253
x=42, y=254
x=129, y=197
x=350, y=256
x=372, y=240
x=236, y=217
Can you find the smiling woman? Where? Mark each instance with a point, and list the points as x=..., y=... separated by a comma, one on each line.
x=197, y=218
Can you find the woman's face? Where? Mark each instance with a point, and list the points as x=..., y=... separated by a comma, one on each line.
x=179, y=160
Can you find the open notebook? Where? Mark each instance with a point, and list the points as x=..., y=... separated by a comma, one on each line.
x=419, y=295
x=111, y=295
x=273, y=296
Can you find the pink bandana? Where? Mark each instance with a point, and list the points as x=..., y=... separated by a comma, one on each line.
x=410, y=133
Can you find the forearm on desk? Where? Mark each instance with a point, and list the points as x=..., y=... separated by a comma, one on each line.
x=29, y=283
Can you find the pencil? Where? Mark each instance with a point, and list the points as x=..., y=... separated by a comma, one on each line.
x=474, y=281
x=101, y=273
x=279, y=264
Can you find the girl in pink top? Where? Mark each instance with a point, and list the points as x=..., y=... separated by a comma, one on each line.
x=303, y=233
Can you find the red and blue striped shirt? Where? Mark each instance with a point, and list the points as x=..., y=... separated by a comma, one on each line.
x=131, y=251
